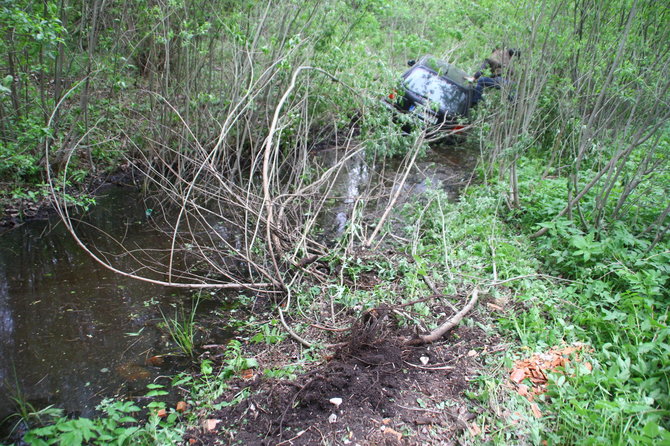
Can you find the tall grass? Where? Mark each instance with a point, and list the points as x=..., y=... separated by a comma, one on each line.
x=182, y=328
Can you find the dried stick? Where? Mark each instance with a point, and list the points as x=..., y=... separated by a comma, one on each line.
x=449, y=324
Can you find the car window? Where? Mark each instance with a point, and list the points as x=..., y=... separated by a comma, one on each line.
x=450, y=97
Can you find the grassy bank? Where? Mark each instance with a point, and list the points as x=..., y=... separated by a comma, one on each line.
x=609, y=291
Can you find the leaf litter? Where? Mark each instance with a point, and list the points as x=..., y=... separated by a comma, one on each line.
x=529, y=375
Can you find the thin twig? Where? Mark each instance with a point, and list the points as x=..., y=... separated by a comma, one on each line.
x=445, y=367
x=298, y=435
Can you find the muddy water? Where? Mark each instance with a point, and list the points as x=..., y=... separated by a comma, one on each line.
x=446, y=167
x=72, y=332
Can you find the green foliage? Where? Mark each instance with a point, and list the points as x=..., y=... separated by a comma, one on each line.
x=205, y=58
x=117, y=425
x=270, y=333
x=118, y=422
x=191, y=61
x=616, y=302
x=31, y=33
x=628, y=385
x=27, y=415
x=286, y=372
x=206, y=388
x=235, y=361
x=182, y=327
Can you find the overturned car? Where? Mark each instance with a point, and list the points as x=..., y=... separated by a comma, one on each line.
x=436, y=93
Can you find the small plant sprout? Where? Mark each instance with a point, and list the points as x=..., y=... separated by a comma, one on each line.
x=181, y=327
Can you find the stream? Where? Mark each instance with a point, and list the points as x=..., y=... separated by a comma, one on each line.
x=73, y=333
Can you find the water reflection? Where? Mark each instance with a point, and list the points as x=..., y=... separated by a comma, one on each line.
x=68, y=325
x=447, y=167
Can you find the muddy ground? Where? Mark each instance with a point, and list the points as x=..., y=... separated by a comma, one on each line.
x=391, y=394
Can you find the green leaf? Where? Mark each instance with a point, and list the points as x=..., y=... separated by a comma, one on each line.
x=183, y=379
x=137, y=333
x=646, y=347
x=71, y=438
x=33, y=440
x=651, y=429
x=206, y=367
x=127, y=419
x=156, y=393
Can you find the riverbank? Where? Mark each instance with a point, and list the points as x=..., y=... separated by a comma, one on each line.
x=22, y=203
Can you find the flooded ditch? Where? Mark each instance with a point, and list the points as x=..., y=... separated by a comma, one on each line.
x=447, y=166
x=72, y=332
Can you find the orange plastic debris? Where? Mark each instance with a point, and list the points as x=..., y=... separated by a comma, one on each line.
x=518, y=375
x=536, y=410
x=536, y=367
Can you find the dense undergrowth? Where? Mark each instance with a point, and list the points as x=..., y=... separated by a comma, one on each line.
x=608, y=290
x=613, y=296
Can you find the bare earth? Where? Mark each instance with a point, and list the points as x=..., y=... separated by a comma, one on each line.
x=392, y=394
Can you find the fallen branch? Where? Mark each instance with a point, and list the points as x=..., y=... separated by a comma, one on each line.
x=448, y=324
x=444, y=367
x=292, y=333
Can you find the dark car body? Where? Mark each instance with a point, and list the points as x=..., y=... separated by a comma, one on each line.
x=435, y=92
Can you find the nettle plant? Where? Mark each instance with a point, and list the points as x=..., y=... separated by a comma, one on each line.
x=118, y=424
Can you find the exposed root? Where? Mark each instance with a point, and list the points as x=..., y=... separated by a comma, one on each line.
x=367, y=328
x=448, y=325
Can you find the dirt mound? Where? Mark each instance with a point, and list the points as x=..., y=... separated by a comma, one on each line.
x=367, y=393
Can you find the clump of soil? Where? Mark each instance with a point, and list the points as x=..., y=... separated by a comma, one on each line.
x=391, y=394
